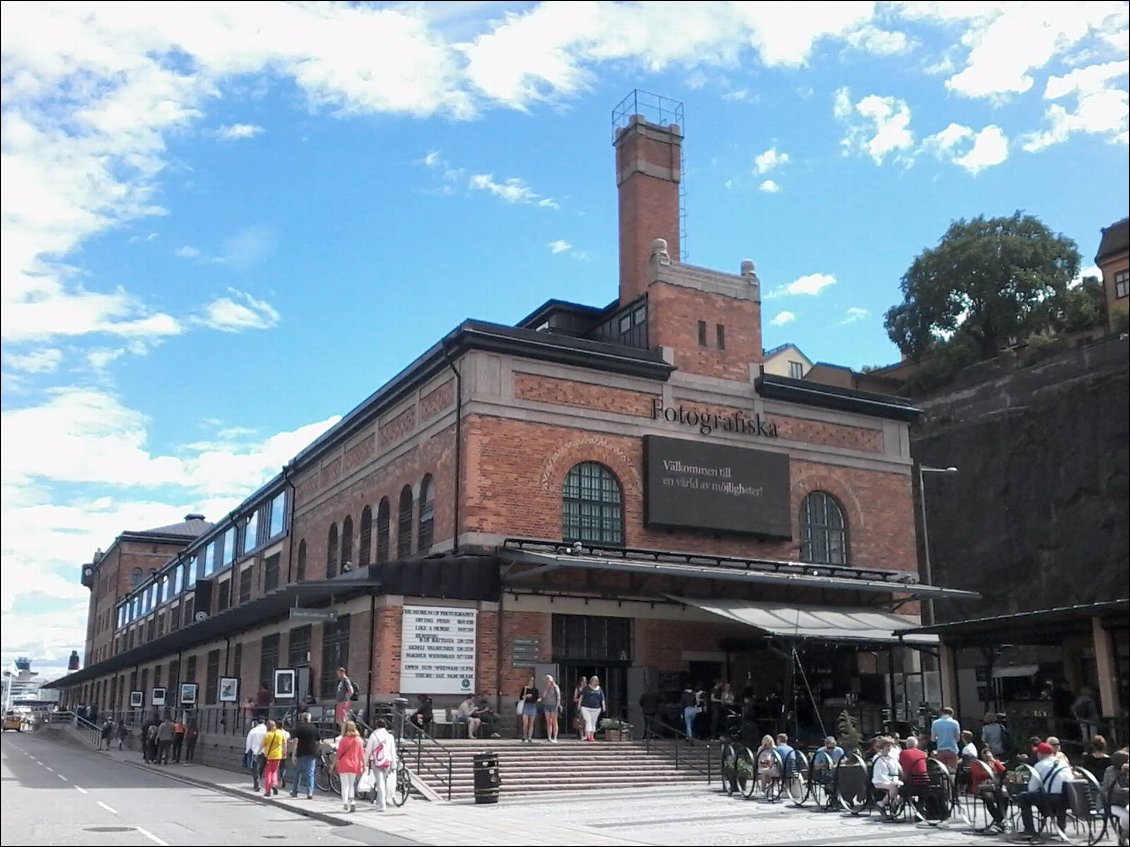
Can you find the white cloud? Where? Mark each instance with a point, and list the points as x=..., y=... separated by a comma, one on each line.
x=769, y=186
x=188, y=252
x=969, y=149
x=238, y=312
x=810, y=284
x=236, y=132
x=877, y=126
x=782, y=318
x=1100, y=106
x=36, y=362
x=559, y=246
x=770, y=159
x=879, y=42
x=854, y=314
x=432, y=159
x=511, y=190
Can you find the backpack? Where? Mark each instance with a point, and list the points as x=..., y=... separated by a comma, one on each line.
x=355, y=694
x=381, y=759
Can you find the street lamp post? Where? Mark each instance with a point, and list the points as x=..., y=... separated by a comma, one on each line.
x=929, y=575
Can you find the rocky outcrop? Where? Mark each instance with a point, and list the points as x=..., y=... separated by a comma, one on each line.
x=1037, y=516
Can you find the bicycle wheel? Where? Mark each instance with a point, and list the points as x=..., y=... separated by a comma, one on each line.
x=932, y=802
x=822, y=788
x=795, y=777
x=322, y=775
x=853, y=784
x=744, y=769
x=335, y=782
x=728, y=768
x=403, y=785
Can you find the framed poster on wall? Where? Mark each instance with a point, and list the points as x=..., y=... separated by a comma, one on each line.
x=136, y=699
x=284, y=684
x=438, y=652
x=229, y=689
x=158, y=698
x=188, y=693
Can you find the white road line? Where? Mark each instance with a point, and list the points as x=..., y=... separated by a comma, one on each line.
x=81, y=790
x=152, y=837
x=61, y=777
x=112, y=811
x=49, y=769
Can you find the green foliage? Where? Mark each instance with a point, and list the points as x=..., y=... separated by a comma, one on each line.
x=613, y=724
x=1083, y=306
x=939, y=370
x=729, y=765
x=1119, y=317
x=989, y=279
x=848, y=728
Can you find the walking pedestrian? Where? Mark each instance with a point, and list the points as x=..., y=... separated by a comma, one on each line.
x=164, y=740
x=945, y=732
x=529, y=700
x=178, y=738
x=253, y=756
x=121, y=731
x=380, y=755
x=308, y=741
x=350, y=764
x=106, y=734
x=593, y=705
x=191, y=734
x=274, y=750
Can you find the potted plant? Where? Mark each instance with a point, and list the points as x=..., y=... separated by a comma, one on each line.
x=615, y=729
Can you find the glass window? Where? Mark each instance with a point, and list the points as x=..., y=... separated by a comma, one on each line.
x=365, y=543
x=166, y=594
x=178, y=579
x=592, y=505
x=346, y=543
x=796, y=370
x=300, y=570
x=209, y=558
x=271, y=573
x=823, y=531
x=426, y=525
x=404, y=524
x=383, y=512
x=1122, y=284
x=335, y=654
x=196, y=570
x=720, y=332
x=245, y=583
x=251, y=532
x=702, y=333
x=229, y=545
x=278, y=514
x=331, y=552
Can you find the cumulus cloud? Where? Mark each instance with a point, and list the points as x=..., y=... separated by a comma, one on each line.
x=559, y=246
x=968, y=148
x=236, y=132
x=854, y=314
x=238, y=312
x=511, y=190
x=36, y=362
x=879, y=42
x=782, y=318
x=769, y=186
x=770, y=159
x=1096, y=104
x=878, y=126
x=810, y=284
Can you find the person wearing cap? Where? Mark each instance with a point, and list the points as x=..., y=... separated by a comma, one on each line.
x=1045, y=788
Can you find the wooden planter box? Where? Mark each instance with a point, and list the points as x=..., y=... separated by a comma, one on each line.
x=617, y=735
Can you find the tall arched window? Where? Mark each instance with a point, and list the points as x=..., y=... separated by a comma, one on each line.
x=592, y=505
x=331, y=553
x=347, y=542
x=365, y=544
x=135, y=577
x=426, y=524
x=404, y=523
x=383, y=513
x=823, y=530
x=300, y=570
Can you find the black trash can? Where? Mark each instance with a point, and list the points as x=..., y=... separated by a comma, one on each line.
x=487, y=780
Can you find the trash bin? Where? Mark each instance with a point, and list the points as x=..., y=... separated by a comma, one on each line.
x=487, y=780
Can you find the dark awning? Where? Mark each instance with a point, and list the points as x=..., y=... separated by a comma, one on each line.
x=1040, y=626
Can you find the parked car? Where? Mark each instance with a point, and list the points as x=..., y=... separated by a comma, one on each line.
x=13, y=720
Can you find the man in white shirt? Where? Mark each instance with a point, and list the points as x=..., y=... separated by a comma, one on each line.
x=1045, y=788
x=253, y=749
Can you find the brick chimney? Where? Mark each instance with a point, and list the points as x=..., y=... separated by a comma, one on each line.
x=647, y=174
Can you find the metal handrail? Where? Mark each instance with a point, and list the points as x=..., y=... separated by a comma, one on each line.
x=439, y=754
x=676, y=739
x=92, y=731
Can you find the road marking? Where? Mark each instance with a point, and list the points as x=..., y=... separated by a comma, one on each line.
x=49, y=769
x=112, y=811
x=81, y=790
x=152, y=837
x=61, y=777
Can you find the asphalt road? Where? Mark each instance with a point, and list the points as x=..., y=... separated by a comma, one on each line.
x=55, y=792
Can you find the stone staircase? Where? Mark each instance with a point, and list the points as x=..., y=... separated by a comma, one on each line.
x=571, y=765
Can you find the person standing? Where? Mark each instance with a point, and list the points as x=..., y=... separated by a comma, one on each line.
x=263, y=701
x=106, y=734
x=342, y=695
x=551, y=706
x=649, y=705
x=529, y=701
x=122, y=732
x=350, y=764
x=191, y=735
x=253, y=751
x=178, y=738
x=689, y=704
x=992, y=734
x=945, y=732
x=306, y=754
x=274, y=751
x=593, y=704
x=380, y=755
x=165, y=735
x=1086, y=713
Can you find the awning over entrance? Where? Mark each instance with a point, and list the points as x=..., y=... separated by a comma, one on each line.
x=865, y=626
x=1042, y=626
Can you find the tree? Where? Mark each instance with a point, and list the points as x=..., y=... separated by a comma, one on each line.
x=990, y=279
x=1084, y=305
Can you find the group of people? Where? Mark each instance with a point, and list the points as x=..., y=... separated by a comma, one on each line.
x=164, y=738
x=269, y=745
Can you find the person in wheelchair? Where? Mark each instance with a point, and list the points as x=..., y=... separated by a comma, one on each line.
x=1045, y=790
x=886, y=775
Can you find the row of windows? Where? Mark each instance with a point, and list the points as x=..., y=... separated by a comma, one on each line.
x=592, y=512
x=260, y=527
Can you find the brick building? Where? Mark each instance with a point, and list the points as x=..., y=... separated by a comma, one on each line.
x=614, y=490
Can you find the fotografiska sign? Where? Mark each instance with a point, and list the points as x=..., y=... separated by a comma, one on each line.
x=323, y=615
x=706, y=422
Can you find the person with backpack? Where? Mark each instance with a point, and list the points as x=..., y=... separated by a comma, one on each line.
x=344, y=693
x=380, y=757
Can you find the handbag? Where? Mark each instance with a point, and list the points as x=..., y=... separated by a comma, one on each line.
x=518, y=706
x=366, y=782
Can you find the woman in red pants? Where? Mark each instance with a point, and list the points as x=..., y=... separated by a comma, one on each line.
x=274, y=749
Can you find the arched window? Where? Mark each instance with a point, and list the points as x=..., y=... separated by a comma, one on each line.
x=346, y=543
x=383, y=513
x=404, y=523
x=365, y=545
x=331, y=553
x=135, y=577
x=426, y=524
x=592, y=505
x=300, y=570
x=823, y=530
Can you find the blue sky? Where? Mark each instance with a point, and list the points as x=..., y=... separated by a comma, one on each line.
x=225, y=225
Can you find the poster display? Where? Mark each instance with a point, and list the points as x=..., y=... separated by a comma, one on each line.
x=438, y=650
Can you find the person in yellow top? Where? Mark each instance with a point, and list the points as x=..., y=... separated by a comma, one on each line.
x=274, y=750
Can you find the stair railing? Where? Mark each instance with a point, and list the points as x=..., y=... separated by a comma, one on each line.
x=675, y=740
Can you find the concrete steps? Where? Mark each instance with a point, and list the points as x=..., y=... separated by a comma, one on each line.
x=540, y=767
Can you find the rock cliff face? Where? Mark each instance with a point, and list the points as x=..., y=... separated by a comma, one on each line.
x=1037, y=516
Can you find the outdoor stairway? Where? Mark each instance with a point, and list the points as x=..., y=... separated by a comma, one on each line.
x=570, y=765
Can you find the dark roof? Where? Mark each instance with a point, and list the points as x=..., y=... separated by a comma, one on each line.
x=767, y=353
x=191, y=527
x=1116, y=239
x=808, y=393
x=549, y=307
x=1039, y=626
